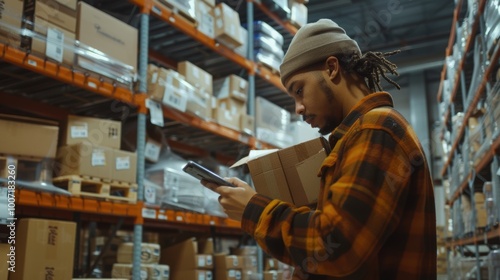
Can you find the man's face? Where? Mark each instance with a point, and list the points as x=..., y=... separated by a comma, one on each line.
x=315, y=99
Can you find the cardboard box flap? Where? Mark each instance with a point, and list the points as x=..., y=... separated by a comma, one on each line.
x=254, y=154
x=30, y=120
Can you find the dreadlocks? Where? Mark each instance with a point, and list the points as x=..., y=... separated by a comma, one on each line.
x=371, y=66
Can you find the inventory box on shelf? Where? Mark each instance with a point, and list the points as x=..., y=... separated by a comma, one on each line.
x=195, y=75
x=10, y=22
x=44, y=249
x=232, y=86
x=115, y=39
x=85, y=160
x=20, y=132
x=289, y=174
x=227, y=26
x=54, y=42
x=148, y=271
x=95, y=131
x=124, y=166
x=187, y=255
x=150, y=253
x=205, y=18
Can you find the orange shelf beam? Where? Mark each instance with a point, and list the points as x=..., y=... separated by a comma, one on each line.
x=286, y=24
x=189, y=29
x=75, y=204
x=476, y=239
x=64, y=74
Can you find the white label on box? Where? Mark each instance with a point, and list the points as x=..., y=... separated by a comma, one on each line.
x=161, y=215
x=98, y=158
x=209, y=260
x=179, y=218
x=155, y=112
x=217, y=12
x=144, y=274
x=231, y=273
x=201, y=261
x=55, y=44
x=123, y=163
x=92, y=84
x=148, y=213
x=201, y=276
x=149, y=194
x=152, y=151
x=235, y=261
x=243, y=84
x=154, y=78
x=209, y=275
x=79, y=131
x=238, y=275
x=219, y=23
x=172, y=99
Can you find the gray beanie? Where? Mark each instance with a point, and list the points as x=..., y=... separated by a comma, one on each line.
x=313, y=43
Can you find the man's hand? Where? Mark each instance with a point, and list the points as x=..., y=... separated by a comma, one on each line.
x=233, y=200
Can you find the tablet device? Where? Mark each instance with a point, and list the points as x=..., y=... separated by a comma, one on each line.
x=202, y=173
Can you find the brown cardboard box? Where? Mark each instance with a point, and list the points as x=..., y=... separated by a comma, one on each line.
x=232, y=86
x=21, y=132
x=199, y=103
x=247, y=124
x=195, y=75
x=84, y=159
x=150, y=253
x=59, y=12
x=59, y=50
x=124, y=166
x=107, y=34
x=44, y=249
x=224, y=117
x=236, y=107
x=289, y=173
x=226, y=262
x=196, y=274
x=98, y=132
x=10, y=22
x=227, y=26
x=205, y=17
x=4, y=261
x=170, y=88
x=273, y=275
x=184, y=256
x=231, y=274
x=148, y=271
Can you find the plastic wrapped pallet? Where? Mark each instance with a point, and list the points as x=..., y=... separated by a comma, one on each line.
x=261, y=27
x=272, y=122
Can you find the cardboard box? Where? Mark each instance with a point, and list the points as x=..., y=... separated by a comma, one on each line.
x=107, y=34
x=59, y=12
x=226, y=262
x=243, y=49
x=44, y=249
x=22, y=131
x=199, y=103
x=205, y=18
x=247, y=124
x=231, y=274
x=185, y=256
x=195, y=76
x=124, y=166
x=184, y=7
x=232, y=86
x=150, y=253
x=4, y=261
x=273, y=275
x=227, y=26
x=10, y=22
x=148, y=271
x=58, y=45
x=170, y=88
x=84, y=159
x=224, y=117
x=249, y=274
x=98, y=132
x=288, y=174
x=235, y=107
x=196, y=274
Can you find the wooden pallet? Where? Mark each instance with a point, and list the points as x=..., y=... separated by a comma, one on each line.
x=175, y=10
x=97, y=188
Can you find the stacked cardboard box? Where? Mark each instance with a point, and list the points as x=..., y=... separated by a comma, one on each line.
x=205, y=17
x=108, y=46
x=199, y=101
x=91, y=147
x=227, y=26
x=44, y=249
x=189, y=259
x=150, y=267
x=11, y=16
x=248, y=257
x=230, y=104
x=52, y=29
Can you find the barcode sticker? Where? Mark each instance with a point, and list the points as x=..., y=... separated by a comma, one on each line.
x=232, y=273
x=201, y=261
x=32, y=62
x=155, y=112
x=55, y=44
x=152, y=151
x=79, y=131
x=98, y=158
x=148, y=213
x=149, y=194
x=122, y=163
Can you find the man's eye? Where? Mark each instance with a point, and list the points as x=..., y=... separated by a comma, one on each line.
x=298, y=91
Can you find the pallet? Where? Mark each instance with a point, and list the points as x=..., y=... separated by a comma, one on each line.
x=86, y=186
x=175, y=10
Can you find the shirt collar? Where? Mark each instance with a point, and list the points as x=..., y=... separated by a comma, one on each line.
x=369, y=102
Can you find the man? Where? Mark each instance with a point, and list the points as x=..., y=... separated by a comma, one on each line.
x=375, y=216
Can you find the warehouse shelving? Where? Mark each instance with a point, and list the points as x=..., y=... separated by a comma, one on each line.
x=467, y=168
x=101, y=90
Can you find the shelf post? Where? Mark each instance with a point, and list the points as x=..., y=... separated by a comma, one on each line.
x=141, y=141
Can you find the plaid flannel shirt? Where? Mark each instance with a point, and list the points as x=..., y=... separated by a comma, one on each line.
x=375, y=216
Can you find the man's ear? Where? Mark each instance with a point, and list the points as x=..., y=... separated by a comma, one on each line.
x=332, y=66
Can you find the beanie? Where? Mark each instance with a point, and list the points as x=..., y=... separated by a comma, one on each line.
x=313, y=43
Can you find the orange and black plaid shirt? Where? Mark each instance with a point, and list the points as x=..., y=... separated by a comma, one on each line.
x=375, y=216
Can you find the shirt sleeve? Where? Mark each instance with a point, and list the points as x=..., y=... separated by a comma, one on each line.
x=365, y=189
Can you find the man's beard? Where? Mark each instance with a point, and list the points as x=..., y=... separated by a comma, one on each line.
x=330, y=123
